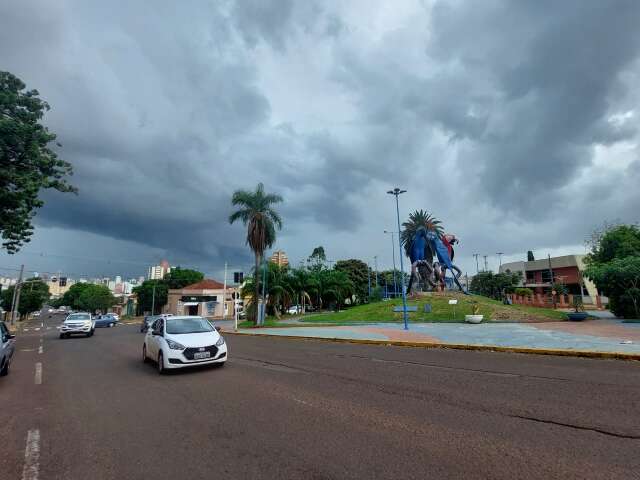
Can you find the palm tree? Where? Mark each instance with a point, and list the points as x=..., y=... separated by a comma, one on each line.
x=418, y=219
x=257, y=213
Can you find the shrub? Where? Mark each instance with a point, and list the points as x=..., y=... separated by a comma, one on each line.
x=524, y=292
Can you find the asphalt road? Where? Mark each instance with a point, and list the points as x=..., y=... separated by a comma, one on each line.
x=313, y=410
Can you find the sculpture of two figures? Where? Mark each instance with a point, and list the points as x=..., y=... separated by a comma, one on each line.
x=425, y=272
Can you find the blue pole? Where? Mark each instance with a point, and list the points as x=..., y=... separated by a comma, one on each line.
x=404, y=293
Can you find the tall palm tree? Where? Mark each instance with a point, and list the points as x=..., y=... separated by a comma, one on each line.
x=257, y=213
x=418, y=219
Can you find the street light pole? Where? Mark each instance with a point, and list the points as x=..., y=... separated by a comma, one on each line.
x=499, y=260
x=393, y=252
x=396, y=192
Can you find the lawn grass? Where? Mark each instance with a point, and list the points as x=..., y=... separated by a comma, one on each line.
x=441, y=311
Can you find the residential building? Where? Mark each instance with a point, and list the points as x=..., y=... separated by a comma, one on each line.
x=539, y=275
x=205, y=298
x=58, y=286
x=279, y=258
x=158, y=272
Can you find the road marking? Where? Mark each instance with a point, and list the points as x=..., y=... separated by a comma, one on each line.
x=37, y=328
x=27, y=349
x=48, y=328
x=42, y=324
x=32, y=456
x=38, y=377
x=25, y=329
x=40, y=349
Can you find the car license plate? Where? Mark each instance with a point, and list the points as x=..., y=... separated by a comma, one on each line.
x=201, y=355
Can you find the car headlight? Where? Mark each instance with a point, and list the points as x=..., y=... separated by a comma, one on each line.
x=220, y=342
x=175, y=345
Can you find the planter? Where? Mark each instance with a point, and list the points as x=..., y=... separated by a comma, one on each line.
x=577, y=316
x=473, y=318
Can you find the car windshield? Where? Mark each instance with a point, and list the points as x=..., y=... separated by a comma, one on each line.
x=188, y=325
x=79, y=316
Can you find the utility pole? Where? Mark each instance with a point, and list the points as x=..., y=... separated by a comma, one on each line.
x=375, y=262
x=16, y=296
x=153, y=300
x=476, y=255
x=224, y=294
x=486, y=267
x=499, y=260
x=369, y=278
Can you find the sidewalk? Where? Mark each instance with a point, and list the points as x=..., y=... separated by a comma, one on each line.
x=592, y=336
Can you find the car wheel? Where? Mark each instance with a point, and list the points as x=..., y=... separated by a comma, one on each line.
x=91, y=333
x=145, y=359
x=160, y=364
x=62, y=335
x=5, y=369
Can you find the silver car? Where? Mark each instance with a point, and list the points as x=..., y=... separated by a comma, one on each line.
x=7, y=348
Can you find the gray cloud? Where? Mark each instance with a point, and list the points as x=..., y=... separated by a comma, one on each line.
x=509, y=120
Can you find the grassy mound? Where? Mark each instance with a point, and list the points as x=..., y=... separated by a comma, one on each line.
x=441, y=311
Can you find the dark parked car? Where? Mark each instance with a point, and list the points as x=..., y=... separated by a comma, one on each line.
x=6, y=349
x=106, y=320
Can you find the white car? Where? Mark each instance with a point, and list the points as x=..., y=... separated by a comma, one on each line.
x=178, y=342
x=78, y=323
x=294, y=309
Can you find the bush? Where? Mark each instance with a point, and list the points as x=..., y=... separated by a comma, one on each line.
x=524, y=292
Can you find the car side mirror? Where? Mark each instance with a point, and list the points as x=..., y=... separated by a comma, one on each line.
x=157, y=332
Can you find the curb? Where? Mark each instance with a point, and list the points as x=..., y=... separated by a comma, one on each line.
x=457, y=346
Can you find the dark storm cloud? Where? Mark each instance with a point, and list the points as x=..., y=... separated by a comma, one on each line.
x=481, y=110
x=553, y=68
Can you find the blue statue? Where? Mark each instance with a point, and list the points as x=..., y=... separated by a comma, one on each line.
x=425, y=244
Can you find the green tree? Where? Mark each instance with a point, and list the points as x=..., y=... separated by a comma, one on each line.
x=493, y=285
x=417, y=219
x=96, y=297
x=33, y=295
x=358, y=272
x=317, y=256
x=337, y=287
x=614, y=266
x=71, y=297
x=530, y=257
x=619, y=279
x=616, y=242
x=255, y=210
x=27, y=163
x=181, y=277
x=145, y=295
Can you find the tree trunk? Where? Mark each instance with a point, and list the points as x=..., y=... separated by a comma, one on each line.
x=257, y=291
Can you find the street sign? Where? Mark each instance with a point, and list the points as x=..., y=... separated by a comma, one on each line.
x=453, y=302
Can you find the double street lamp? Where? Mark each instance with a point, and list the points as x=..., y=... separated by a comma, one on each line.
x=396, y=192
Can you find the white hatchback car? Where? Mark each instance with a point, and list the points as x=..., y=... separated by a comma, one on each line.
x=177, y=342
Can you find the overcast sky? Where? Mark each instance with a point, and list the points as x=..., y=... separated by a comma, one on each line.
x=516, y=123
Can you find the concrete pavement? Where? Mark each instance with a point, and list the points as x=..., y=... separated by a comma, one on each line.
x=285, y=409
x=598, y=336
